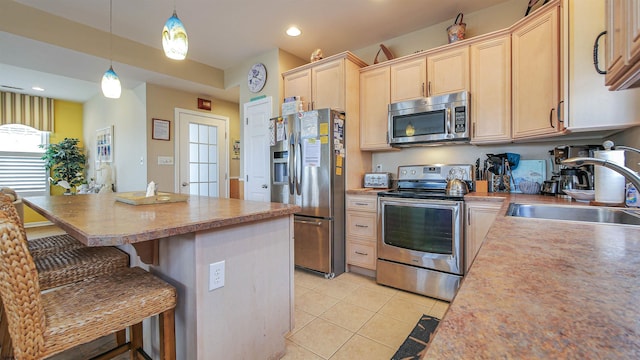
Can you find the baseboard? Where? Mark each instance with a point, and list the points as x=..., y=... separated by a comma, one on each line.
x=37, y=224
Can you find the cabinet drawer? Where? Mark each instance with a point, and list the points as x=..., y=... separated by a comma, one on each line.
x=361, y=254
x=362, y=202
x=362, y=224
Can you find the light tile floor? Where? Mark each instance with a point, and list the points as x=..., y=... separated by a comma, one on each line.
x=352, y=317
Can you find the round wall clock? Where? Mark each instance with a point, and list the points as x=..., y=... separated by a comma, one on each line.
x=257, y=77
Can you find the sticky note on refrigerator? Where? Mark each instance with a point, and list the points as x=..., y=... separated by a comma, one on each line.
x=324, y=139
x=324, y=129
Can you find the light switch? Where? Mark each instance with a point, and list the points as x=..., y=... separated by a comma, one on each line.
x=165, y=160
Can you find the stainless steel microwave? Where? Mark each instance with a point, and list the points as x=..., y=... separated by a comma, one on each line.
x=436, y=119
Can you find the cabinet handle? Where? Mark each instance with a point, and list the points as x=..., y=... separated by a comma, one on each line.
x=361, y=204
x=595, y=54
x=468, y=218
x=473, y=129
x=429, y=90
x=560, y=120
x=362, y=226
x=423, y=94
x=361, y=253
x=551, y=118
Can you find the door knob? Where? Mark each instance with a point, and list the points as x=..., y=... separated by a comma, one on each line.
x=264, y=186
x=185, y=183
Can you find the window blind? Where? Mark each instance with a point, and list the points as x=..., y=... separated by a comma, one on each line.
x=24, y=172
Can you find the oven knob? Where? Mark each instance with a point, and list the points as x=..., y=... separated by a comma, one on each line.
x=413, y=172
x=403, y=172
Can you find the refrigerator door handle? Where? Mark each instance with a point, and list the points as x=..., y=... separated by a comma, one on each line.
x=291, y=163
x=298, y=165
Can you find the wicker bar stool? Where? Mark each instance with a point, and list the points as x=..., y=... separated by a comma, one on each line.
x=59, y=265
x=44, y=324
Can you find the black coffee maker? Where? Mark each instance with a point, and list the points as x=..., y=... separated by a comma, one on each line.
x=566, y=177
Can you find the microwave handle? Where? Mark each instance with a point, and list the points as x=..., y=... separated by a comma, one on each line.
x=448, y=133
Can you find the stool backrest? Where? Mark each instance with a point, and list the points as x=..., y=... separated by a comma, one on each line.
x=20, y=291
x=6, y=206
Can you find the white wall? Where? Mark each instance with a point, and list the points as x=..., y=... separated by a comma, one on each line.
x=127, y=115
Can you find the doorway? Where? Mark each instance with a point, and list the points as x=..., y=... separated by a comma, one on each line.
x=202, y=154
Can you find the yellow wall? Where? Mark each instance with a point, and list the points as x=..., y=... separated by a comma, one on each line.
x=68, y=124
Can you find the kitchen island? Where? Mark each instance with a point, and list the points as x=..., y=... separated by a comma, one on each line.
x=248, y=317
x=546, y=289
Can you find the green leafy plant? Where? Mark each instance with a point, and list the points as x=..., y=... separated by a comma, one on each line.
x=66, y=161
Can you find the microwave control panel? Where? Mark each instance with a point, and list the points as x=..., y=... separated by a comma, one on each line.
x=460, y=119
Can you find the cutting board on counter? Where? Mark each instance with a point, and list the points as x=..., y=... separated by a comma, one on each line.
x=529, y=170
x=140, y=198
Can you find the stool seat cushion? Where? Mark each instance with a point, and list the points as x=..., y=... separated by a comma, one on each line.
x=52, y=244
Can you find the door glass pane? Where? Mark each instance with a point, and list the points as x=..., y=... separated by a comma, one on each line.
x=193, y=133
x=213, y=153
x=193, y=153
x=419, y=228
x=213, y=135
x=203, y=173
x=204, y=189
x=203, y=153
x=213, y=189
x=203, y=134
x=193, y=173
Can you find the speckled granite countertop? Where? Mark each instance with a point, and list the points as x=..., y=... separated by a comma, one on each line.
x=546, y=289
x=99, y=220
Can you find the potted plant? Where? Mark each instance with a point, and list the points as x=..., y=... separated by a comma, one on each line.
x=67, y=161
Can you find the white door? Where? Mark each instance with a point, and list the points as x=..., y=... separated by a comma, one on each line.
x=256, y=150
x=202, y=147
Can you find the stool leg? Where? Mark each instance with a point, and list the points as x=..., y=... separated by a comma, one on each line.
x=167, y=335
x=121, y=337
x=136, y=339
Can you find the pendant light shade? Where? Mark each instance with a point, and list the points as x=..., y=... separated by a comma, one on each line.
x=174, y=38
x=111, y=84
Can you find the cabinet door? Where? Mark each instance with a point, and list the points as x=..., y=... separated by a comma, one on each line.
x=374, y=106
x=408, y=79
x=634, y=30
x=491, y=90
x=327, y=85
x=480, y=217
x=299, y=84
x=616, y=37
x=535, y=76
x=448, y=71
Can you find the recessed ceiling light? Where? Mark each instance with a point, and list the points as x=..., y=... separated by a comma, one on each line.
x=293, y=31
x=37, y=88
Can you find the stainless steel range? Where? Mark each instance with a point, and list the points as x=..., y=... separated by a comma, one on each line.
x=421, y=238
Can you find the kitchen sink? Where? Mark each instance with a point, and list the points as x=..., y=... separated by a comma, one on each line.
x=576, y=213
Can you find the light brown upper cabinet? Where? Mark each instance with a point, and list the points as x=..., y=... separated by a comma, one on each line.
x=409, y=79
x=490, y=90
x=333, y=82
x=374, y=105
x=536, y=76
x=623, y=44
x=448, y=71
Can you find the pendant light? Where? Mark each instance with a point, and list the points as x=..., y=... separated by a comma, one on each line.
x=110, y=82
x=174, y=37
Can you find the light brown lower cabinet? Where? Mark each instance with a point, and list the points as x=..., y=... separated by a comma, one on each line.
x=362, y=230
x=480, y=217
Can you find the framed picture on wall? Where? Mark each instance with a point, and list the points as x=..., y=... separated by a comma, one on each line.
x=161, y=129
x=104, y=144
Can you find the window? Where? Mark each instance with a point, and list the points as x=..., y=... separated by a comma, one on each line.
x=21, y=166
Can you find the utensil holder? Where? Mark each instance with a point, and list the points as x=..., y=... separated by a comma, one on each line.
x=500, y=183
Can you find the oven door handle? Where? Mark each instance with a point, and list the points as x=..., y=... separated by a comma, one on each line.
x=309, y=222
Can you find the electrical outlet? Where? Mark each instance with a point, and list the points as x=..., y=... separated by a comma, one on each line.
x=216, y=275
x=165, y=160
x=379, y=168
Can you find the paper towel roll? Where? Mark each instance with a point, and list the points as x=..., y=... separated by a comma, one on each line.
x=610, y=185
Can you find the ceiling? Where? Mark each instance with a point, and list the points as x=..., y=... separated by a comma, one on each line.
x=222, y=33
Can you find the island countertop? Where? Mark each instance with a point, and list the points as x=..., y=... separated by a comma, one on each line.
x=546, y=289
x=100, y=220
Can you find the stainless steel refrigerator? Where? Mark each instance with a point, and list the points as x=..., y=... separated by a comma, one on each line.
x=307, y=169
